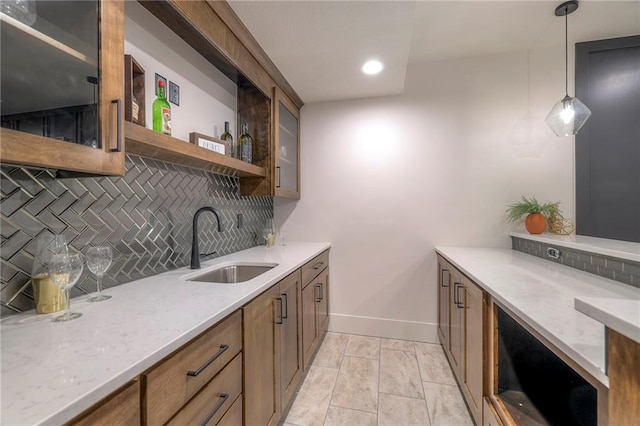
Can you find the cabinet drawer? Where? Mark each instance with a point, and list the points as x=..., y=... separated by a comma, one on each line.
x=233, y=417
x=211, y=404
x=169, y=386
x=120, y=408
x=311, y=269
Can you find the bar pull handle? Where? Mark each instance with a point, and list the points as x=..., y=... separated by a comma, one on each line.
x=279, y=176
x=118, y=103
x=223, y=399
x=442, y=282
x=455, y=293
x=318, y=265
x=279, y=321
x=459, y=303
x=318, y=298
x=208, y=363
x=285, y=303
x=321, y=291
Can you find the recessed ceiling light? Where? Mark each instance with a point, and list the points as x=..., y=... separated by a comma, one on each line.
x=372, y=67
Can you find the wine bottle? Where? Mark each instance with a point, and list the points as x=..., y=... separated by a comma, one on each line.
x=245, y=142
x=161, y=112
x=230, y=148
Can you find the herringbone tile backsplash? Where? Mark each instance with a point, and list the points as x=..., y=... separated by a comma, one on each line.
x=145, y=217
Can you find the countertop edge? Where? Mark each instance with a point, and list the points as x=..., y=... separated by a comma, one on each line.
x=589, y=307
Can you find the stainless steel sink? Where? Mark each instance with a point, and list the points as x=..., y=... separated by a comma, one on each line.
x=235, y=273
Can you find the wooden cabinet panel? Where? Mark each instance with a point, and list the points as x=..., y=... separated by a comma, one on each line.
x=456, y=326
x=311, y=269
x=290, y=336
x=233, y=417
x=443, y=302
x=472, y=372
x=169, y=386
x=121, y=408
x=309, y=318
x=210, y=404
x=323, y=301
x=624, y=378
x=286, y=134
x=262, y=365
x=489, y=414
x=29, y=149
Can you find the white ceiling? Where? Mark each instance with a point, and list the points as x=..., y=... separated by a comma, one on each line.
x=320, y=45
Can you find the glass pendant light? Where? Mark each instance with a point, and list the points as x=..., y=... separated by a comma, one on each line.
x=569, y=114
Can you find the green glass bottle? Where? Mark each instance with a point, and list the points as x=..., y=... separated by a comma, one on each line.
x=161, y=112
x=230, y=148
x=245, y=144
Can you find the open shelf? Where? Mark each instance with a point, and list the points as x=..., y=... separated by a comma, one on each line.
x=147, y=143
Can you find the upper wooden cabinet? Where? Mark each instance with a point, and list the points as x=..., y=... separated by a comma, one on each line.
x=264, y=98
x=62, y=86
x=287, y=146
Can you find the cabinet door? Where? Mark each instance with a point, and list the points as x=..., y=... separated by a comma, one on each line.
x=261, y=360
x=443, y=302
x=121, y=408
x=287, y=137
x=456, y=343
x=322, y=286
x=473, y=367
x=63, y=86
x=290, y=337
x=309, y=322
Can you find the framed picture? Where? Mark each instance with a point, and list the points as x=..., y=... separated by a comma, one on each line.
x=208, y=142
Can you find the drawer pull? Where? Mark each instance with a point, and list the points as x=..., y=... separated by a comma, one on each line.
x=319, y=293
x=223, y=399
x=279, y=321
x=285, y=303
x=206, y=364
x=318, y=265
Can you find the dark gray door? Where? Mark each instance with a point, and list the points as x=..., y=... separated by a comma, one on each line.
x=608, y=146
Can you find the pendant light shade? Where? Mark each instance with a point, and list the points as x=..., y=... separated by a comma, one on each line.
x=569, y=114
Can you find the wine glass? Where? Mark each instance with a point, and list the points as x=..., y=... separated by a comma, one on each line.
x=65, y=270
x=99, y=260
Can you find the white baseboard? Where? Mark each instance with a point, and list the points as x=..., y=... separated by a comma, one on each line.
x=382, y=327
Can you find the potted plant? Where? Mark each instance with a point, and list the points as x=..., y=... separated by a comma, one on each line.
x=537, y=214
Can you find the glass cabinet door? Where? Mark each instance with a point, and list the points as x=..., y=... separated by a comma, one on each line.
x=59, y=88
x=287, y=144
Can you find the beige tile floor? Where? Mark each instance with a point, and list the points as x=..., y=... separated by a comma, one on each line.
x=358, y=380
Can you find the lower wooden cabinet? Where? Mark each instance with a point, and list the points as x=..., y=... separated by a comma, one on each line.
x=290, y=335
x=461, y=311
x=262, y=363
x=173, y=382
x=315, y=315
x=120, y=408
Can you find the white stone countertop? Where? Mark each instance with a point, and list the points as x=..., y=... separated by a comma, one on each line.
x=542, y=294
x=621, y=315
x=603, y=246
x=52, y=372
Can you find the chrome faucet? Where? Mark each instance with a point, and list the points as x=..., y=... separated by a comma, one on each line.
x=195, y=251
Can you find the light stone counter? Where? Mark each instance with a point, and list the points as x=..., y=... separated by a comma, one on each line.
x=542, y=294
x=52, y=372
x=621, y=315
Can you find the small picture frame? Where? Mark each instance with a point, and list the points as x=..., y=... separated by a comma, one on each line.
x=207, y=142
x=134, y=88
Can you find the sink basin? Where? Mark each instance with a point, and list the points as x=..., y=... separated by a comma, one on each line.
x=234, y=273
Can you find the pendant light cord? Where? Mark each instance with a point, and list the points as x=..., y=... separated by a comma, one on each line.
x=566, y=52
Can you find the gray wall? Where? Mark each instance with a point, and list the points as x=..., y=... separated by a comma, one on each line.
x=144, y=216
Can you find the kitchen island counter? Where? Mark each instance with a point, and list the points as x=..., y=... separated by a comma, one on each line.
x=543, y=294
